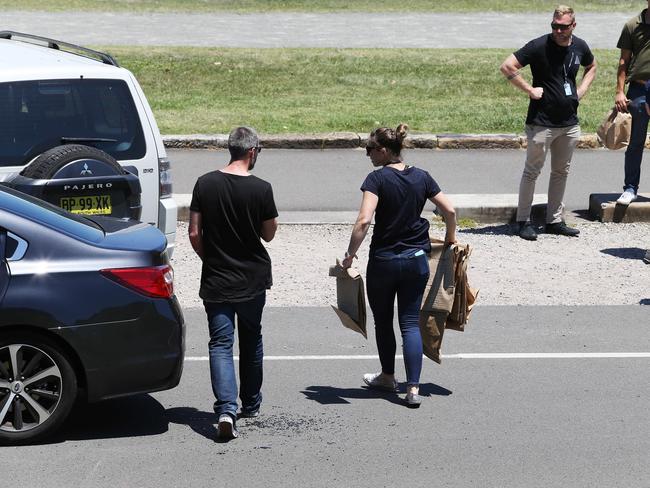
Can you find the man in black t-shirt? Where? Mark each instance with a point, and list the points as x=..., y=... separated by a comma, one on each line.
x=230, y=211
x=552, y=120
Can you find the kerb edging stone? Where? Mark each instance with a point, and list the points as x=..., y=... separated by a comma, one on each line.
x=342, y=140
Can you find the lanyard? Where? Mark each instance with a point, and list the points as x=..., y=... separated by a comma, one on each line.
x=570, y=64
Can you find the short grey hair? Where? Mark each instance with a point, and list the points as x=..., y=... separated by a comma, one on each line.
x=240, y=140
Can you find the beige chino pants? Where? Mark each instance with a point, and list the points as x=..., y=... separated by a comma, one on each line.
x=561, y=141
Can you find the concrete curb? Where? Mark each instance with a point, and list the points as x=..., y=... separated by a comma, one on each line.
x=483, y=208
x=342, y=140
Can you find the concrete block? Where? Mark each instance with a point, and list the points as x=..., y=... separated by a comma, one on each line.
x=603, y=207
x=483, y=141
x=589, y=141
x=183, y=201
x=494, y=208
x=422, y=141
x=333, y=140
x=196, y=141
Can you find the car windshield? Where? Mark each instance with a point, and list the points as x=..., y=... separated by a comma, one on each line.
x=38, y=115
x=48, y=214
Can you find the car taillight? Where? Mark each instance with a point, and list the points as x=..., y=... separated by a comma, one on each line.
x=165, y=177
x=155, y=281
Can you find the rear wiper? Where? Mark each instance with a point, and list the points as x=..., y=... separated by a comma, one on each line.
x=86, y=139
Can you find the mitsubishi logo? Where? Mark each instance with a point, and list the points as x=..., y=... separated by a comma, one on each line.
x=86, y=171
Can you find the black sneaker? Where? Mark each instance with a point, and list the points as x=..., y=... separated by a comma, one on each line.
x=527, y=231
x=561, y=229
x=248, y=414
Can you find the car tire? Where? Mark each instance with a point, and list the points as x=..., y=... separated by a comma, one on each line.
x=36, y=404
x=50, y=162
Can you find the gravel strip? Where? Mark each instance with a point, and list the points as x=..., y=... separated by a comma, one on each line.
x=604, y=266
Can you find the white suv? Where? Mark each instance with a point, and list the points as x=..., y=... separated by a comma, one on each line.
x=64, y=108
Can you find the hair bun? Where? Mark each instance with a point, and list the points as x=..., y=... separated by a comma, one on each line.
x=401, y=131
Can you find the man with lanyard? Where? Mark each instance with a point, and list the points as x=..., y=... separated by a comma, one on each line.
x=552, y=120
x=634, y=64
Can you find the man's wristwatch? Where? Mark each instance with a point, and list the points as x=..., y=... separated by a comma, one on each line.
x=347, y=255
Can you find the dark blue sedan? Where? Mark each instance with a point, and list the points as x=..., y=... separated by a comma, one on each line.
x=87, y=309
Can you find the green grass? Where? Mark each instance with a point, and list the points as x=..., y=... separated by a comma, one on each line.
x=204, y=90
x=438, y=222
x=319, y=5
x=466, y=223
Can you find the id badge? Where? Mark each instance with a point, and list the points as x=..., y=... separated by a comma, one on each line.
x=567, y=89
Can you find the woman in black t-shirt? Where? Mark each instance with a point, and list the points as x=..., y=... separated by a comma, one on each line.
x=395, y=194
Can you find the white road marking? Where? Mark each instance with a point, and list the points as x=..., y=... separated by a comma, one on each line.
x=516, y=355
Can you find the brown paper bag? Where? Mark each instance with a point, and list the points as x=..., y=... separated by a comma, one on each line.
x=448, y=301
x=438, y=298
x=432, y=328
x=439, y=292
x=350, y=298
x=614, y=131
x=464, y=295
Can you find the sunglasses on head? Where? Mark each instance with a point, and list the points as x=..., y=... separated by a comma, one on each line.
x=258, y=149
x=562, y=27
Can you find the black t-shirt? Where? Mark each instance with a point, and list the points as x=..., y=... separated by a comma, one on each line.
x=402, y=195
x=552, y=66
x=236, y=266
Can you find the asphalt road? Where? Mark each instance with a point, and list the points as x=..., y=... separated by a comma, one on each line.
x=505, y=421
x=329, y=180
x=337, y=30
x=485, y=422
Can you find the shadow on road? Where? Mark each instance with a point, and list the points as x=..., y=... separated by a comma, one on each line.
x=203, y=423
x=431, y=389
x=497, y=230
x=135, y=416
x=583, y=213
x=625, y=252
x=331, y=395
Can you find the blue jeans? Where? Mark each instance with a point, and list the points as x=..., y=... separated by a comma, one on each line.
x=405, y=276
x=221, y=323
x=634, y=152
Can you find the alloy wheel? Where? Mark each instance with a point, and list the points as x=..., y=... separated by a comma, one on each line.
x=30, y=387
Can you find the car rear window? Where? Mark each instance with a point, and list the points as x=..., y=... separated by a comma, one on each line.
x=38, y=115
x=45, y=213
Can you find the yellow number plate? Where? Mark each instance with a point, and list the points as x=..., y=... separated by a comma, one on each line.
x=88, y=205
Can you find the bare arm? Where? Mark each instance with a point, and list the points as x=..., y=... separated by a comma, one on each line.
x=621, y=100
x=361, y=226
x=445, y=207
x=511, y=70
x=267, y=232
x=196, y=233
x=587, y=79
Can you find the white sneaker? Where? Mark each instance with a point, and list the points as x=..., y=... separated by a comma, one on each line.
x=627, y=197
x=380, y=382
x=226, y=427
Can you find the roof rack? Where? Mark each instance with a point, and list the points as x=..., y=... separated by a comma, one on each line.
x=58, y=45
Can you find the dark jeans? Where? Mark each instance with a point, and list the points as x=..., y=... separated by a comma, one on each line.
x=221, y=322
x=634, y=152
x=405, y=276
